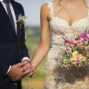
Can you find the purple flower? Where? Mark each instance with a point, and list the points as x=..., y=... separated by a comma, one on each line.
x=65, y=42
x=84, y=35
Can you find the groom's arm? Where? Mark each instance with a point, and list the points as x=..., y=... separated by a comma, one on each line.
x=29, y=71
x=3, y=70
x=24, y=51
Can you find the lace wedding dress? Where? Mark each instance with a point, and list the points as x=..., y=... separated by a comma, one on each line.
x=55, y=77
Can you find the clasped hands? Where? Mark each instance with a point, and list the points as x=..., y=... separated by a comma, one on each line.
x=21, y=70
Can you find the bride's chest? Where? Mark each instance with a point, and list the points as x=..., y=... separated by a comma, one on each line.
x=58, y=25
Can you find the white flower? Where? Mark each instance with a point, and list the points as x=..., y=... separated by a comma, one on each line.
x=21, y=20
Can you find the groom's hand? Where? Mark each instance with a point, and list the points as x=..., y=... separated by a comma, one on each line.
x=16, y=72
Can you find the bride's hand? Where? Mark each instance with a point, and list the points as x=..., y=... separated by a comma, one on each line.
x=32, y=73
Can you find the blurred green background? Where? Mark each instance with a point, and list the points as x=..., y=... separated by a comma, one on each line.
x=32, y=36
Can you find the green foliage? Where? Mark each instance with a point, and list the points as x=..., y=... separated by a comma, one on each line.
x=38, y=76
x=32, y=36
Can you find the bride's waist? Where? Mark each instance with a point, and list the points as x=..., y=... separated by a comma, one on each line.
x=57, y=41
x=56, y=44
x=55, y=47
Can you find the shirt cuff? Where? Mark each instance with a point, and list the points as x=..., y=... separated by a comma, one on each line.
x=8, y=70
x=26, y=58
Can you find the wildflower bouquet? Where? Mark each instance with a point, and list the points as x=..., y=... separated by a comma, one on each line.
x=75, y=52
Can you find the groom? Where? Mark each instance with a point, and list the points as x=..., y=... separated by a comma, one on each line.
x=14, y=58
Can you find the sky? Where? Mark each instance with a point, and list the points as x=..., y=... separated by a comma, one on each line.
x=32, y=11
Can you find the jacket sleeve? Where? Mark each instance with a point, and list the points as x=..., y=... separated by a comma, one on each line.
x=3, y=70
x=24, y=51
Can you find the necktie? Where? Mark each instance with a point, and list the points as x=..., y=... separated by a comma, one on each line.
x=9, y=13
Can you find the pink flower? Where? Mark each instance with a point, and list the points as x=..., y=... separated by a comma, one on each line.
x=88, y=49
x=68, y=44
x=78, y=61
x=77, y=38
x=82, y=40
x=67, y=49
x=65, y=42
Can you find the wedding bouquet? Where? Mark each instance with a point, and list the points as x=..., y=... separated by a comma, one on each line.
x=75, y=52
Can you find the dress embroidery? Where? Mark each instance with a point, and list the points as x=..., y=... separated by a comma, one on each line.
x=56, y=78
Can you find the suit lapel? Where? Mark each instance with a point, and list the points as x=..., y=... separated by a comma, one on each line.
x=6, y=17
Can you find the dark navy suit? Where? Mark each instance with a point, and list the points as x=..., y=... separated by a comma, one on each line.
x=12, y=45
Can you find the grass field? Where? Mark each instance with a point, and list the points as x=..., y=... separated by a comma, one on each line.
x=32, y=42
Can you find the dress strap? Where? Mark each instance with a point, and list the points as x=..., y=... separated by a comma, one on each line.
x=88, y=8
x=50, y=5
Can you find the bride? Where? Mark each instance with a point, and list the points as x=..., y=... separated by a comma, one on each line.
x=57, y=18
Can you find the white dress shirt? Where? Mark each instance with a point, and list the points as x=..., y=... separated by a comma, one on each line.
x=12, y=11
x=15, y=22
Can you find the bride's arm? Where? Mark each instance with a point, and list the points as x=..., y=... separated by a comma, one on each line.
x=43, y=47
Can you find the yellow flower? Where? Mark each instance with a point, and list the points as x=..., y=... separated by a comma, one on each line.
x=75, y=54
x=73, y=60
x=81, y=57
x=87, y=35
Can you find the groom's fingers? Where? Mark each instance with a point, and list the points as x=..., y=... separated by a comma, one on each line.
x=32, y=73
x=15, y=72
x=21, y=64
x=27, y=72
x=27, y=66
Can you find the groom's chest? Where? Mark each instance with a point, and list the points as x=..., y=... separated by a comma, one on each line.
x=5, y=23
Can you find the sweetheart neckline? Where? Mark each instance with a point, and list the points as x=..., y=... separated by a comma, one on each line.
x=67, y=21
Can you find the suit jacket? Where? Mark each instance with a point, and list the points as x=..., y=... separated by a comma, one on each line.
x=12, y=46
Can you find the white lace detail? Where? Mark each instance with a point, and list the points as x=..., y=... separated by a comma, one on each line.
x=55, y=78
x=50, y=5
x=59, y=27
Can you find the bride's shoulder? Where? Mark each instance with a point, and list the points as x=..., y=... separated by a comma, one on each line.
x=46, y=5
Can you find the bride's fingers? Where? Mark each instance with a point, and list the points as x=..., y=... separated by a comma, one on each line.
x=29, y=75
x=32, y=74
x=31, y=69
